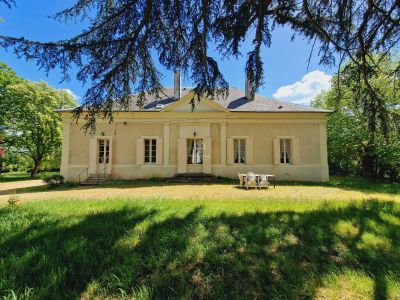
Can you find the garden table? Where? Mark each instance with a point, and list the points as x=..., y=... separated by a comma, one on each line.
x=242, y=178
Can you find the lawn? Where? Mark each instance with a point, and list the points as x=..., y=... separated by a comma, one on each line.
x=263, y=246
x=18, y=176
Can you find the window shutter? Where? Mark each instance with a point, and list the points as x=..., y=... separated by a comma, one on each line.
x=229, y=151
x=276, y=151
x=159, y=158
x=139, y=151
x=249, y=151
x=182, y=155
x=111, y=150
x=207, y=156
x=295, y=151
x=92, y=155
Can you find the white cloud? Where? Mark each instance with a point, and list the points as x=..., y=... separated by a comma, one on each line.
x=70, y=92
x=304, y=90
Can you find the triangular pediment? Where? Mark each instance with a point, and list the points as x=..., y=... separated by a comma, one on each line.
x=204, y=105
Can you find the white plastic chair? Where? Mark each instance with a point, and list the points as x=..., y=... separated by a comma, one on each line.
x=250, y=180
x=241, y=183
x=263, y=181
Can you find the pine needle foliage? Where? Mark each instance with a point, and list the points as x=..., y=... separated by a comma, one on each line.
x=117, y=52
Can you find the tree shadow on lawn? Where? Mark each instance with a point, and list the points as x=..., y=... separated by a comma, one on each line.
x=190, y=254
x=42, y=188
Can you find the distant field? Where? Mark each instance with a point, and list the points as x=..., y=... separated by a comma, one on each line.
x=260, y=244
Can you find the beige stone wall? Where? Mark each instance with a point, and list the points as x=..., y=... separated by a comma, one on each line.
x=173, y=140
x=262, y=134
x=309, y=129
x=78, y=145
x=125, y=138
x=215, y=144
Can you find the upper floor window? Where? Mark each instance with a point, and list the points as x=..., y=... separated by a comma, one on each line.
x=285, y=151
x=239, y=151
x=195, y=151
x=104, y=151
x=150, y=150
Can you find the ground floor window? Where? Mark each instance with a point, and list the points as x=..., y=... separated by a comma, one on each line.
x=195, y=151
x=239, y=151
x=150, y=150
x=285, y=151
x=104, y=151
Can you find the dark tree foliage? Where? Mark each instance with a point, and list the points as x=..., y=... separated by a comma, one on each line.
x=8, y=3
x=359, y=141
x=117, y=51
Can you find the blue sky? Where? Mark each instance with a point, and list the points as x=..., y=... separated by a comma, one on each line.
x=285, y=62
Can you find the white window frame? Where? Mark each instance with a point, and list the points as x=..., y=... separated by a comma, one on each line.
x=196, y=148
x=287, y=155
x=105, y=158
x=238, y=141
x=151, y=157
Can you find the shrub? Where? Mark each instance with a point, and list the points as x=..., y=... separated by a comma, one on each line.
x=14, y=199
x=54, y=180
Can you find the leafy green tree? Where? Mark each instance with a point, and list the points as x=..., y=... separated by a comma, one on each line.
x=14, y=161
x=33, y=125
x=359, y=140
x=118, y=51
x=7, y=78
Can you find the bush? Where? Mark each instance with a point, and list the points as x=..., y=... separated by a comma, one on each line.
x=54, y=180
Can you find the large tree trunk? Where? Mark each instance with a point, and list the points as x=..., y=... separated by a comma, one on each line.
x=1, y=165
x=368, y=161
x=36, y=168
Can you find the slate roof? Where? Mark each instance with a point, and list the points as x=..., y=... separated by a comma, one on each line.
x=235, y=102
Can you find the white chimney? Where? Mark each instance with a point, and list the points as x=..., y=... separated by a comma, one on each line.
x=177, y=85
x=249, y=89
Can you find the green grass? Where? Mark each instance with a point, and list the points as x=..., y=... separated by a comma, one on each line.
x=350, y=183
x=238, y=249
x=17, y=176
x=357, y=183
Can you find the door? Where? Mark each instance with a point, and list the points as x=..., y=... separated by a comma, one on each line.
x=103, y=156
x=195, y=155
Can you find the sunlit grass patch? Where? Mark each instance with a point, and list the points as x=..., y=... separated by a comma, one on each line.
x=346, y=229
x=371, y=240
x=296, y=193
x=393, y=286
x=346, y=285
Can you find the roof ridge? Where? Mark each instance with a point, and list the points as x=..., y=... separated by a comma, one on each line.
x=235, y=102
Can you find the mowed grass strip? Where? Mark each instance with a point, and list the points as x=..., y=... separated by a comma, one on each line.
x=338, y=188
x=160, y=248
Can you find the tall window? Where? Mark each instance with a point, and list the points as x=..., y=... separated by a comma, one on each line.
x=150, y=151
x=195, y=151
x=104, y=151
x=239, y=151
x=285, y=151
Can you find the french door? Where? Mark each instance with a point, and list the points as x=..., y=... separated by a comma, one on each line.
x=103, y=162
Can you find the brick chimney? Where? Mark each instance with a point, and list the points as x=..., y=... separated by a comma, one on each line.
x=177, y=85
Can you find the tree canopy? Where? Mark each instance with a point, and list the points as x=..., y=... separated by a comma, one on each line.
x=359, y=141
x=117, y=52
x=7, y=78
x=29, y=124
